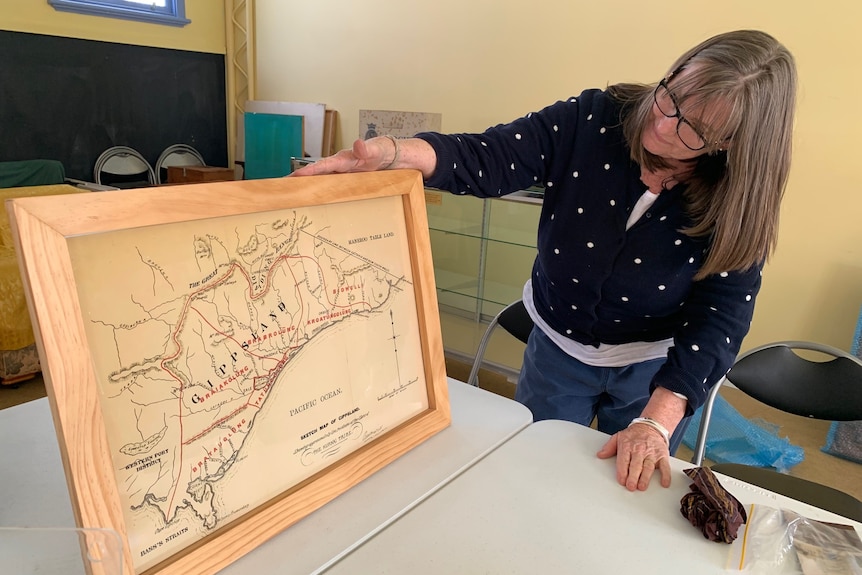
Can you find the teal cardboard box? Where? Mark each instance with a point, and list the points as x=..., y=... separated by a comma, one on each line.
x=271, y=140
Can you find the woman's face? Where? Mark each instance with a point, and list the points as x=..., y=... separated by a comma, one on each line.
x=660, y=138
x=669, y=117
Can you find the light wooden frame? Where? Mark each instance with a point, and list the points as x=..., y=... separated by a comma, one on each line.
x=42, y=227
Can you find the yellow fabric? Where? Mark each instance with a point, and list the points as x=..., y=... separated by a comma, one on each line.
x=16, y=330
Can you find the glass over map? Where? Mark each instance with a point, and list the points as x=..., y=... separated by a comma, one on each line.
x=237, y=356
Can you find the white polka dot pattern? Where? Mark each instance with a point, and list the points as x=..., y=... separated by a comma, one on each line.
x=593, y=281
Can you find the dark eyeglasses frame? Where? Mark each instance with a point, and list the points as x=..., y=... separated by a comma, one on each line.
x=679, y=117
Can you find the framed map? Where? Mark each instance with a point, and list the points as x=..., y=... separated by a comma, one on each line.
x=224, y=358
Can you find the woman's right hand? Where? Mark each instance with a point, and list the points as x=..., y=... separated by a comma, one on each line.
x=365, y=156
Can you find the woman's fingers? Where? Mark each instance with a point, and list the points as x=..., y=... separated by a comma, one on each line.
x=363, y=156
x=640, y=451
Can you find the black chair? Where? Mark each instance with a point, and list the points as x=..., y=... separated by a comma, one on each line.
x=515, y=320
x=776, y=376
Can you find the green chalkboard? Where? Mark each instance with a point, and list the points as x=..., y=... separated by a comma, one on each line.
x=68, y=99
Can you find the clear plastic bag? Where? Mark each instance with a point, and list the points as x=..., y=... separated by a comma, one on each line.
x=779, y=541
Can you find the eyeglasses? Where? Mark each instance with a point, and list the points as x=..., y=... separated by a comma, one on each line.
x=667, y=105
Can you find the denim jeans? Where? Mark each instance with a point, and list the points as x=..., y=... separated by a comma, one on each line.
x=554, y=385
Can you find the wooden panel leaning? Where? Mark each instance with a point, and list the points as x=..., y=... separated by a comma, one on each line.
x=223, y=361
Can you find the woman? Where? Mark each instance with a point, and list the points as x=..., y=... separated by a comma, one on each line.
x=661, y=206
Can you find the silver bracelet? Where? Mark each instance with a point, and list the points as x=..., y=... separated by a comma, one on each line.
x=655, y=425
x=397, y=152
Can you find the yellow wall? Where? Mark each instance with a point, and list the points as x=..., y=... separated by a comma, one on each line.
x=482, y=62
x=206, y=33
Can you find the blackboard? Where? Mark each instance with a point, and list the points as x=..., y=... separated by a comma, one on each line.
x=68, y=99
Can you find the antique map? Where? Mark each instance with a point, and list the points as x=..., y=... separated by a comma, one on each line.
x=237, y=356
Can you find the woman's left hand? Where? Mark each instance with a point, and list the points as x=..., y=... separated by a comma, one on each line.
x=640, y=450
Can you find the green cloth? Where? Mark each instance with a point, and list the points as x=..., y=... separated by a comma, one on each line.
x=31, y=173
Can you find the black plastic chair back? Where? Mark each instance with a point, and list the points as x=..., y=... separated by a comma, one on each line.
x=778, y=377
x=516, y=321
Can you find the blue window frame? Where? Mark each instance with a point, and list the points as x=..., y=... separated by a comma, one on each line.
x=168, y=12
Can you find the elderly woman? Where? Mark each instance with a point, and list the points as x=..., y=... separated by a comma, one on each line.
x=661, y=206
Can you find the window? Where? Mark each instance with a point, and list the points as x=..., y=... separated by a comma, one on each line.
x=169, y=12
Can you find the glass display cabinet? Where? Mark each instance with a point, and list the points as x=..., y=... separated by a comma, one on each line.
x=483, y=249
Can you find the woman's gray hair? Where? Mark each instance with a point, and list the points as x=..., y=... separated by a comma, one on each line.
x=737, y=186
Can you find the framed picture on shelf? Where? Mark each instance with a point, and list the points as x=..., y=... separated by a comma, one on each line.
x=224, y=358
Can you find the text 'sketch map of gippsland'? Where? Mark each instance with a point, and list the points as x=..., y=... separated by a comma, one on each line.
x=238, y=356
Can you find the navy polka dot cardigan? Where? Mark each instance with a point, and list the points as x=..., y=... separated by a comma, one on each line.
x=593, y=280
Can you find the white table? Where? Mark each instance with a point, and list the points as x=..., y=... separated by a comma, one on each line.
x=543, y=503
x=35, y=493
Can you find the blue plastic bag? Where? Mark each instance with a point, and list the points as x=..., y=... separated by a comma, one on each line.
x=734, y=439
